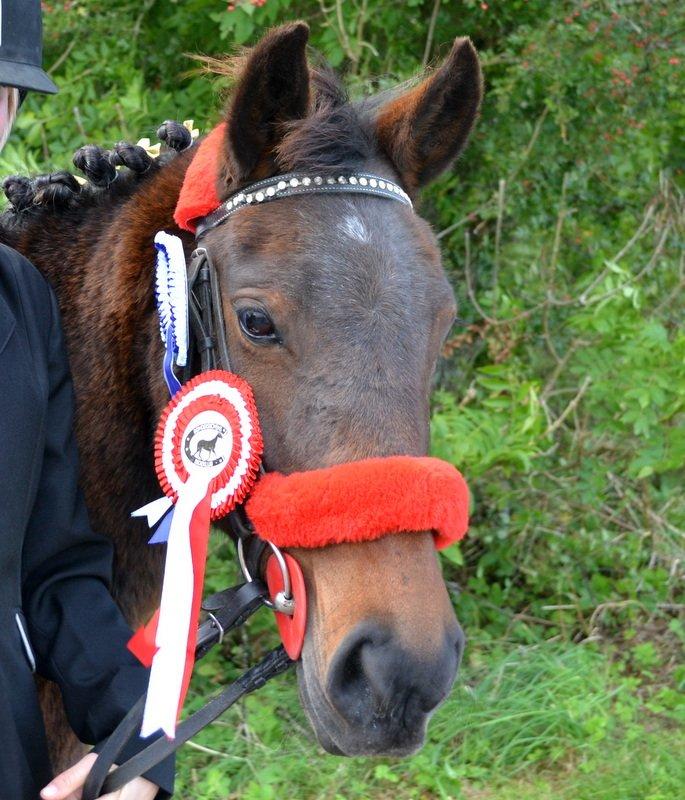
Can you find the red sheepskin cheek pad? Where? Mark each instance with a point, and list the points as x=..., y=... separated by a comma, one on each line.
x=361, y=500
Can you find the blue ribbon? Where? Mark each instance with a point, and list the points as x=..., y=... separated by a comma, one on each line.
x=161, y=535
x=171, y=380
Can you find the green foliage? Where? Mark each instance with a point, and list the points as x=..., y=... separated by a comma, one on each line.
x=561, y=396
x=526, y=721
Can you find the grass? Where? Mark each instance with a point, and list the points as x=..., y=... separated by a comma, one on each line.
x=550, y=720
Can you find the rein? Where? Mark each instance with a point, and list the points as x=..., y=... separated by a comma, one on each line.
x=226, y=611
x=229, y=609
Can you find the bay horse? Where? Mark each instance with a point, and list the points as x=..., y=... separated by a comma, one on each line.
x=347, y=306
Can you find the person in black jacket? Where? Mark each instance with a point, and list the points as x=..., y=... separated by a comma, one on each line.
x=57, y=617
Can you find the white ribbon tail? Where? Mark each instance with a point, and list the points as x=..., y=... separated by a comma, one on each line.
x=168, y=664
x=154, y=511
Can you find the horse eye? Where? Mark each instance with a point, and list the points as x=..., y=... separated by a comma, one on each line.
x=257, y=324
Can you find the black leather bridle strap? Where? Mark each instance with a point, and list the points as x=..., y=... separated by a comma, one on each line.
x=206, y=314
x=226, y=610
x=274, y=663
x=295, y=184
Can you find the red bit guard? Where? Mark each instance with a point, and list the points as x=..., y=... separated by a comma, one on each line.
x=291, y=627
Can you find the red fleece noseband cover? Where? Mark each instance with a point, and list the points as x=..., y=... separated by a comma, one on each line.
x=361, y=500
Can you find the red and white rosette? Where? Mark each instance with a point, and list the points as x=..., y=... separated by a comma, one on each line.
x=208, y=449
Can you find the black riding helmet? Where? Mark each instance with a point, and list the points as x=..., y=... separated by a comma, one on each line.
x=21, y=47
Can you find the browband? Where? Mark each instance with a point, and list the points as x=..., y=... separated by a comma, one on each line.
x=199, y=208
x=295, y=183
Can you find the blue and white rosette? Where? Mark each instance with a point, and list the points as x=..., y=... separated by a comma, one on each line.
x=171, y=294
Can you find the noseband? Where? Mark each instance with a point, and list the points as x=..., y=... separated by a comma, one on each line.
x=199, y=210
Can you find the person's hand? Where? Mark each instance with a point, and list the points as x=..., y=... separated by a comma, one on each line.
x=69, y=785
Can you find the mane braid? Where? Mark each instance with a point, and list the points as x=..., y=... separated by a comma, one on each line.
x=35, y=210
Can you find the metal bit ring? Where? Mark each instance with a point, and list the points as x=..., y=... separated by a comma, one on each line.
x=284, y=600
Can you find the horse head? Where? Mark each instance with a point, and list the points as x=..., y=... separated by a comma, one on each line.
x=336, y=307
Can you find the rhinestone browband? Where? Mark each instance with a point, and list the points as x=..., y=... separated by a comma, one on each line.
x=297, y=184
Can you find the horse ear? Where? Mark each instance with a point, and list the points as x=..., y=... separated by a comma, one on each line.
x=425, y=128
x=273, y=89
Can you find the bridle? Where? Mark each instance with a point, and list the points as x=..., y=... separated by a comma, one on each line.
x=206, y=309
x=230, y=608
x=209, y=346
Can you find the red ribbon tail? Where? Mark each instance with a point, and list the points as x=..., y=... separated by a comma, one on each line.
x=199, y=539
x=142, y=643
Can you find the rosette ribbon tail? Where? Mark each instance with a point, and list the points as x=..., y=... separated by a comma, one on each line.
x=154, y=511
x=175, y=640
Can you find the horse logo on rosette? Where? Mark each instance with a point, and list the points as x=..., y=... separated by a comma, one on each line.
x=208, y=444
x=205, y=443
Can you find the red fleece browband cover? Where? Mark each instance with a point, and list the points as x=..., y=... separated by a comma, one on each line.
x=361, y=500
x=198, y=196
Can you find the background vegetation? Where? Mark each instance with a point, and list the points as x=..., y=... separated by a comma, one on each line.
x=561, y=395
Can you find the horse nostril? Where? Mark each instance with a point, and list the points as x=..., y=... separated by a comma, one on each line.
x=372, y=676
x=348, y=687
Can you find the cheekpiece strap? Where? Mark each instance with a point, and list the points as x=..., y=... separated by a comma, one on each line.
x=295, y=183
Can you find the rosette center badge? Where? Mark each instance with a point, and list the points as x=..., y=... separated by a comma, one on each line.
x=207, y=442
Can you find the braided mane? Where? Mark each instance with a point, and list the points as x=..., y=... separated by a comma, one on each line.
x=336, y=133
x=59, y=195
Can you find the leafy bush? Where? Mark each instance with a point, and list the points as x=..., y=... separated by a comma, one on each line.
x=562, y=391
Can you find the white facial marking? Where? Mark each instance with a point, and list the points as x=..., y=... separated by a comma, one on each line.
x=351, y=225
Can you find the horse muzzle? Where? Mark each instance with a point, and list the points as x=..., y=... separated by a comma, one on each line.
x=382, y=644
x=378, y=691
x=360, y=503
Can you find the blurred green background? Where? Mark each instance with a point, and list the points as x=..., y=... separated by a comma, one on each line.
x=561, y=395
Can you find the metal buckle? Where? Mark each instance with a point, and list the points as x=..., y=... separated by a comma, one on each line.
x=218, y=626
x=284, y=600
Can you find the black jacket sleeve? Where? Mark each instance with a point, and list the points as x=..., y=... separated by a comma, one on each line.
x=77, y=630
